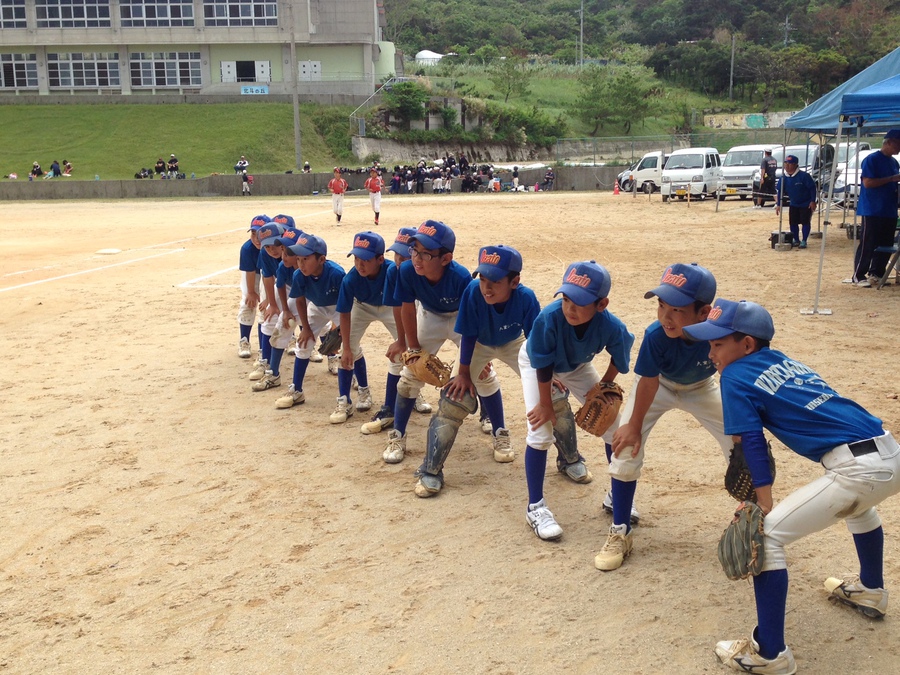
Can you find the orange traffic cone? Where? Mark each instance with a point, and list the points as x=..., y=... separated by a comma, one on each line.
x=616, y=188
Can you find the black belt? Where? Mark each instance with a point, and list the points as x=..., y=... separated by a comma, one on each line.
x=866, y=447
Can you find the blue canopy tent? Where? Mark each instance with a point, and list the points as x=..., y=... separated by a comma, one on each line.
x=875, y=108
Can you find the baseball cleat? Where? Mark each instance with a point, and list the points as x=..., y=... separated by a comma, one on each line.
x=744, y=655
x=617, y=547
x=422, y=406
x=869, y=601
x=542, y=521
x=485, y=422
x=364, y=399
x=576, y=471
x=428, y=484
x=291, y=398
x=607, y=506
x=334, y=364
x=268, y=381
x=503, y=452
x=383, y=419
x=396, y=448
x=342, y=412
x=259, y=370
x=244, y=350
x=316, y=357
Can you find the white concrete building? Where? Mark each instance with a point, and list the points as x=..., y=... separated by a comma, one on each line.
x=208, y=47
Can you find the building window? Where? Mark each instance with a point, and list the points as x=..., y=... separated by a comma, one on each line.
x=135, y=13
x=165, y=69
x=83, y=70
x=240, y=13
x=72, y=13
x=12, y=14
x=18, y=71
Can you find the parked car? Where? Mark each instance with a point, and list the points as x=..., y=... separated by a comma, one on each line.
x=846, y=185
x=624, y=178
x=737, y=170
x=647, y=173
x=694, y=171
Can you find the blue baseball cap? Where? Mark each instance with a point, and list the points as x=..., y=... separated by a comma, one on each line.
x=284, y=220
x=585, y=282
x=727, y=317
x=367, y=245
x=289, y=237
x=682, y=284
x=495, y=262
x=258, y=221
x=402, y=241
x=434, y=234
x=307, y=244
x=269, y=233
x=892, y=135
x=791, y=159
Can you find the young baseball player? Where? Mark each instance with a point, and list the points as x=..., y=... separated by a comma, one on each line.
x=495, y=317
x=246, y=182
x=384, y=418
x=282, y=330
x=565, y=338
x=269, y=257
x=763, y=388
x=314, y=288
x=337, y=186
x=361, y=302
x=374, y=184
x=248, y=265
x=671, y=373
x=437, y=282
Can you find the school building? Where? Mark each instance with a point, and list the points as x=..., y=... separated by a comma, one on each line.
x=212, y=48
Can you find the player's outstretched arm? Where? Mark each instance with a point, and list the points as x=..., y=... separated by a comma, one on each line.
x=629, y=434
x=398, y=346
x=346, y=352
x=306, y=334
x=543, y=412
x=410, y=325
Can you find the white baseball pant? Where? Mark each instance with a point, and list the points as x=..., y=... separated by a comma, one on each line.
x=337, y=203
x=482, y=355
x=247, y=311
x=362, y=315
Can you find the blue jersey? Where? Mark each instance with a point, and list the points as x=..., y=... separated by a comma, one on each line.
x=553, y=342
x=283, y=276
x=800, y=189
x=880, y=201
x=767, y=389
x=322, y=290
x=249, y=260
x=675, y=359
x=267, y=264
x=440, y=298
x=368, y=291
x=490, y=327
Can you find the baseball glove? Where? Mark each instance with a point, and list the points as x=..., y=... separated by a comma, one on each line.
x=738, y=481
x=331, y=342
x=601, y=405
x=428, y=368
x=742, y=546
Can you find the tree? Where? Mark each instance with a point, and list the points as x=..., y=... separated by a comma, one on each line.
x=594, y=105
x=632, y=93
x=510, y=77
x=406, y=102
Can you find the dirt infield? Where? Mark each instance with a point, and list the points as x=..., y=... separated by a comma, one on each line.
x=158, y=515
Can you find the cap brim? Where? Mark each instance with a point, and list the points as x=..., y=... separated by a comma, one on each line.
x=707, y=331
x=577, y=294
x=491, y=272
x=270, y=241
x=399, y=249
x=363, y=253
x=670, y=295
x=426, y=241
x=301, y=250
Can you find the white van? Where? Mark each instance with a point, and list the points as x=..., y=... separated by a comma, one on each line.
x=738, y=168
x=647, y=173
x=694, y=171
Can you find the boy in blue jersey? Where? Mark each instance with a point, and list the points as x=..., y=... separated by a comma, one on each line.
x=361, y=302
x=565, y=338
x=495, y=317
x=437, y=282
x=314, y=288
x=248, y=265
x=269, y=257
x=672, y=373
x=763, y=388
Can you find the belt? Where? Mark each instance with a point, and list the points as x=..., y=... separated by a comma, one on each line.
x=866, y=447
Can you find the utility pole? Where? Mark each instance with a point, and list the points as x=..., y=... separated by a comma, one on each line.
x=787, y=30
x=295, y=91
x=731, y=76
x=581, y=39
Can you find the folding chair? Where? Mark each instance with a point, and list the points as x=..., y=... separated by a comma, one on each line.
x=892, y=263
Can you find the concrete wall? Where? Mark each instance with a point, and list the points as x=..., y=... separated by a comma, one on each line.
x=568, y=178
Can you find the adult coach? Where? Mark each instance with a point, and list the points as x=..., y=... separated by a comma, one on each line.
x=768, y=169
x=801, y=189
x=878, y=208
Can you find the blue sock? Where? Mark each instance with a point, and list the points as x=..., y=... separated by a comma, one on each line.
x=390, y=391
x=259, y=334
x=806, y=229
x=622, y=499
x=795, y=232
x=300, y=366
x=361, y=372
x=535, y=468
x=608, y=449
x=771, y=590
x=870, y=550
x=245, y=331
x=345, y=379
x=265, y=347
x=493, y=406
x=402, y=410
x=275, y=361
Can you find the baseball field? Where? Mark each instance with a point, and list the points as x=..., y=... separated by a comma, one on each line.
x=159, y=516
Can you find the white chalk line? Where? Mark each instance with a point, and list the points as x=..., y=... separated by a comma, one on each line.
x=193, y=283
x=95, y=269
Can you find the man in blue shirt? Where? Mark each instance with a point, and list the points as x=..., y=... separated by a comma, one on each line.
x=801, y=189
